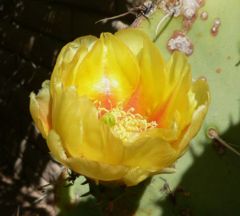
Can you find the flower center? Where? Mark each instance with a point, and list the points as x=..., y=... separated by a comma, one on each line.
x=126, y=124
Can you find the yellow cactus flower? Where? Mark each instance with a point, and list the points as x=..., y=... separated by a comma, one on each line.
x=115, y=111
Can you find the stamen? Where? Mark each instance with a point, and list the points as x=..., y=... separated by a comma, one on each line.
x=126, y=125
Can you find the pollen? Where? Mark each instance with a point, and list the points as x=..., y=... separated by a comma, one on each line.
x=126, y=125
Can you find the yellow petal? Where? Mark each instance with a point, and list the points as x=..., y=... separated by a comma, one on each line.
x=89, y=168
x=135, y=175
x=75, y=119
x=177, y=108
x=201, y=91
x=69, y=59
x=106, y=172
x=152, y=86
x=55, y=146
x=133, y=39
x=40, y=109
x=93, y=169
x=109, y=73
x=97, y=170
x=150, y=152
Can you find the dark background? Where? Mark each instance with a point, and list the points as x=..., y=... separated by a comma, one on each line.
x=32, y=33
